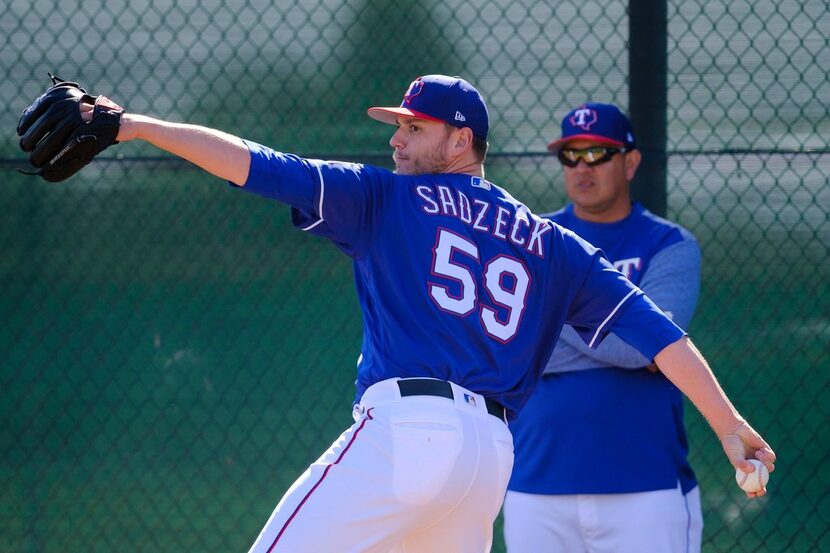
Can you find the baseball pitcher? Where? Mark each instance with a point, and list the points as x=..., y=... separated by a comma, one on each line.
x=462, y=291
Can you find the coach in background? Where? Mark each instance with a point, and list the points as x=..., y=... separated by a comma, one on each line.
x=600, y=449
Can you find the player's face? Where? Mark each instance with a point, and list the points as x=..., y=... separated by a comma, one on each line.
x=600, y=193
x=420, y=146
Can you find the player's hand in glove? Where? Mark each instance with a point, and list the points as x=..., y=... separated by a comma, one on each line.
x=60, y=139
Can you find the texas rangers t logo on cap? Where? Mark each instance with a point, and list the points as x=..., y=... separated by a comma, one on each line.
x=584, y=118
x=601, y=123
x=414, y=89
x=451, y=100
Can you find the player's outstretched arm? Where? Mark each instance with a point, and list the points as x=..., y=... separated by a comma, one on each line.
x=684, y=365
x=217, y=152
x=65, y=128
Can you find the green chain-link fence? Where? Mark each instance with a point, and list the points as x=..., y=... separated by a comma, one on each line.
x=174, y=355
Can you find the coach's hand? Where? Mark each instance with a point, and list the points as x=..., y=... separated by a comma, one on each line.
x=744, y=443
x=65, y=128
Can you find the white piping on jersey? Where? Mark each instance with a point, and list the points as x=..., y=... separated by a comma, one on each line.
x=320, y=207
x=599, y=329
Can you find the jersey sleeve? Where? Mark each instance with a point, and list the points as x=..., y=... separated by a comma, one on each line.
x=599, y=300
x=606, y=301
x=336, y=200
x=612, y=352
x=643, y=326
x=672, y=281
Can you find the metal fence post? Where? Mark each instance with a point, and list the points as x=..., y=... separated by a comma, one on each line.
x=647, y=90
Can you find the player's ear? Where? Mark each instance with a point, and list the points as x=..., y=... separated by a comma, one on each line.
x=632, y=161
x=462, y=139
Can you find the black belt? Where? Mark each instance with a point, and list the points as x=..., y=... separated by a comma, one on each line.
x=442, y=388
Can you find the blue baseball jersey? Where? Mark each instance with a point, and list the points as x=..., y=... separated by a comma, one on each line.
x=455, y=278
x=592, y=408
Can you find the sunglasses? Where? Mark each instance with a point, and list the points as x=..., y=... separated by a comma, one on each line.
x=592, y=157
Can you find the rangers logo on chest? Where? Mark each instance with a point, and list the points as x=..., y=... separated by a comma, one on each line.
x=628, y=266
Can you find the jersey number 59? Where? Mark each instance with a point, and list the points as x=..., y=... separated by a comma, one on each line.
x=506, y=280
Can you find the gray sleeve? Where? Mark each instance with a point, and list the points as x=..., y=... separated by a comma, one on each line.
x=672, y=281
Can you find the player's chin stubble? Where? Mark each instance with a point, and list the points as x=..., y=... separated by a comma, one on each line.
x=431, y=163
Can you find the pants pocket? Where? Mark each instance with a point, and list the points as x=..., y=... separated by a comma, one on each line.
x=425, y=454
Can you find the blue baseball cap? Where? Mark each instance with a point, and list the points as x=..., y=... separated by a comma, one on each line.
x=603, y=123
x=440, y=98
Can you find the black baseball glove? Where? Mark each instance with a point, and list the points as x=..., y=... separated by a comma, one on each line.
x=60, y=141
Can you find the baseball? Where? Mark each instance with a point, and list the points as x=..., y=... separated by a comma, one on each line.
x=754, y=481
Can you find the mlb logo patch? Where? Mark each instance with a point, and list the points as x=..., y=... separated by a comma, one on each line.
x=470, y=399
x=479, y=182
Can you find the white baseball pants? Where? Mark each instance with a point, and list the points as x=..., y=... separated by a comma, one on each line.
x=664, y=520
x=416, y=474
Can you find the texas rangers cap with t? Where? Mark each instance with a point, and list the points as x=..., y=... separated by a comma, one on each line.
x=603, y=123
x=440, y=98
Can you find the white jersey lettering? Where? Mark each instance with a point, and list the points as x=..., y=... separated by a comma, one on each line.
x=502, y=218
x=520, y=219
x=425, y=192
x=447, y=201
x=481, y=212
x=510, y=226
x=464, y=211
x=540, y=228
